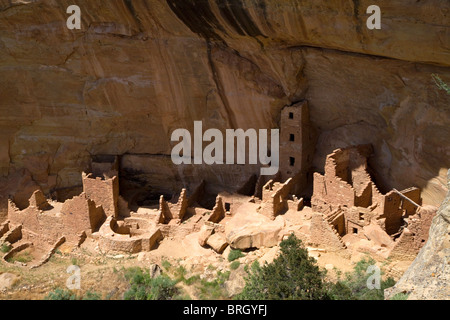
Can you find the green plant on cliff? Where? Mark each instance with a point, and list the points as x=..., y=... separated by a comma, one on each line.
x=292, y=276
x=440, y=83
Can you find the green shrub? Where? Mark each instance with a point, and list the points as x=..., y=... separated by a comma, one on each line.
x=214, y=290
x=192, y=280
x=235, y=254
x=293, y=275
x=90, y=295
x=180, y=273
x=143, y=287
x=354, y=285
x=61, y=294
x=22, y=256
x=234, y=265
x=64, y=294
x=5, y=248
x=400, y=296
x=166, y=265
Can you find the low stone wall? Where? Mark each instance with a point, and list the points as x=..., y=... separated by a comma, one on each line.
x=52, y=251
x=124, y=243
x=15, y=250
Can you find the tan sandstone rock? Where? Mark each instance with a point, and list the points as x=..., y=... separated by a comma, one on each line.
x=249, y=229
x=7, y=280
x=374, y=233
x=203, y=235
x=218, y=242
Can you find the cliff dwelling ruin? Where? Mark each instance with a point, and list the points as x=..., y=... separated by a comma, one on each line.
x=347, y=214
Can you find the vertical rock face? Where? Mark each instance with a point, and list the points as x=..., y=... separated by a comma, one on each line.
x=138, y=70
x=429, y=275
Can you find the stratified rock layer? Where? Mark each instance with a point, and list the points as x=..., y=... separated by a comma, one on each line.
x=137, y=70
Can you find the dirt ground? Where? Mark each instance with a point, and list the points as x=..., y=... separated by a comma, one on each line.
x=104, y=273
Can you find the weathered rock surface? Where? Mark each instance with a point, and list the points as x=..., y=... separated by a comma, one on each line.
x=249, y=229
x=218, y=242
x=377, y=235
x=203, y=235
x=236, y=283
x=7, y=280
x=139, y=69
x=428, y=277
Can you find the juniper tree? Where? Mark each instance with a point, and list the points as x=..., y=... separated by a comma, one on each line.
x=293, y=275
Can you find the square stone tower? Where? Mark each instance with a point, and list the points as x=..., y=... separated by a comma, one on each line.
x=296, y=144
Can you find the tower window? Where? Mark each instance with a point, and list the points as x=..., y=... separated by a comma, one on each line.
x=291, y=161
x=355, y=230
x=291, y=115
x=291, y=137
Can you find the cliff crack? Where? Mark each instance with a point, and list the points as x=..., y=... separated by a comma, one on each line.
x=358, y=54
x=131, y=9
x=230, y=115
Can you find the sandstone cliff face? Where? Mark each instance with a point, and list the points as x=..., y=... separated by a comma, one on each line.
x=429, y=275
x=137, y=70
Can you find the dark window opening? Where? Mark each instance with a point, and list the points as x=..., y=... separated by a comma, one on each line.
x=291, y=137
x=355, y=230
x=291, y=115
x=291, y=161
x=361, y=216
x=227, y=206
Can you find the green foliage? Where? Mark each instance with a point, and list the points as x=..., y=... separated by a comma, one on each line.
x=61, y=294
x=143, y=287
x=180, y=273
x=214, y=290
x=90, y=295
x=235, y=254
x=5, y=248
x=166, y=265
x=234, y=265
x=191, y=280
x=440, y=83
x=400, y=296
x=354, y=284
x=23, y=257
x=292, y=276
x=64, y=294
